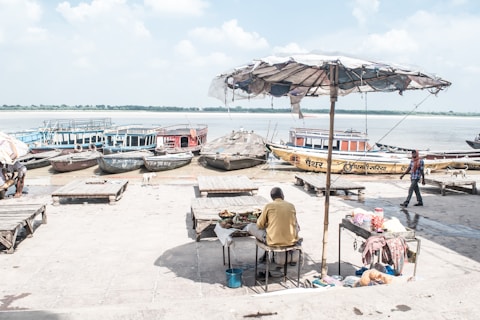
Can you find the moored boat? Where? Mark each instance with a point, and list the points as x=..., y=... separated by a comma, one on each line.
x=75, y=161
x=130, y=138
x=475, y=143
x=167, y=161
x=317, y=139
x=181, y=138
x=38, y=160
x=356, y=164
x=237, y=150
x=123, y=161
x=72, y=135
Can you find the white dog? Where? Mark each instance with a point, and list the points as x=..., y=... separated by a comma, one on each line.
x=147, y=178
x=428, y=171
x=457, y=172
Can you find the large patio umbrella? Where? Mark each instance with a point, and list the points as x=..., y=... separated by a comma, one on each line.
x=312, y=75
x=11, y=148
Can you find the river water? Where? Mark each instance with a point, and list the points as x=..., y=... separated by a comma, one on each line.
x=419, y=132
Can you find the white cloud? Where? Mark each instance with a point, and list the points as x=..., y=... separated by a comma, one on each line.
x=290, y=48
x=397, y=41
x=85, y=11
x=185, y=48
x=19, y=21
x=363, y=9
x=231, y=33
x=178, y=7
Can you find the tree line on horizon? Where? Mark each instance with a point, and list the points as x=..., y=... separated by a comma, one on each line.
x=219, y=109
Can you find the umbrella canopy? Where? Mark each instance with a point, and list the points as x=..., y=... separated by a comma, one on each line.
x=312, y=75
x=11, y=148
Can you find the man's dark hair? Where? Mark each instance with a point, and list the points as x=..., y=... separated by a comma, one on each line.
x=276, y=193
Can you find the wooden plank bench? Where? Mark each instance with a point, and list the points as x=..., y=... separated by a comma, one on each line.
x=225, y=184
x=14, y=217
x=317, y=182
x=453, y=183
x=205, y=210
x=91, y=189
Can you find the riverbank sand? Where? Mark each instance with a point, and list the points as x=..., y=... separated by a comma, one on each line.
x=138, y=258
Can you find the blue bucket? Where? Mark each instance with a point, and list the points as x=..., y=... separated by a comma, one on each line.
x=234, y=278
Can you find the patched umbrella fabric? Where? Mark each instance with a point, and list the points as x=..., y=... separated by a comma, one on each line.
x=11, y=148
x=313, y=75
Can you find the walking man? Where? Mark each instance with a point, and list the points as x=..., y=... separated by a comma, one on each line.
x=416, y=173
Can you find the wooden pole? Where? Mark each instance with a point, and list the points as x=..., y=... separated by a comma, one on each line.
x=333, y=99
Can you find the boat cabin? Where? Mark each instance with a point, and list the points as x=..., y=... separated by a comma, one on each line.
x=71, y=134
x=317, y=139
x=130, y=138
x=181, y=138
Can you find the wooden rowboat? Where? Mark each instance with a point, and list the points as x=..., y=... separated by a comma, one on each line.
x=167, y=161
x=123, y=161
x=237, y=150
x=75, y=161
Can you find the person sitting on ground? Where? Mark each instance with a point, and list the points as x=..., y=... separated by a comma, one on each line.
x=21, y=171
x=277, y=224
x=5, y=181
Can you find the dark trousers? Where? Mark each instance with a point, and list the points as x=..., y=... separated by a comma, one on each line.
x=414, y=187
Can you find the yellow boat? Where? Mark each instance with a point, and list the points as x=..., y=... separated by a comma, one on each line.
x=380, y=163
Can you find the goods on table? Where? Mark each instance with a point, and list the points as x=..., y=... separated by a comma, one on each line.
x=238, y=220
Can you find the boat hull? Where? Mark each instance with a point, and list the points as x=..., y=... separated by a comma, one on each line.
x=236, y=150
x=75, y=161
x=474, y=144
x=167, y=162
x=229, y=163
x=122, y=162
x=38, y=160
x=317, y=162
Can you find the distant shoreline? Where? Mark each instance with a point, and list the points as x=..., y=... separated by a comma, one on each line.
x=107, y=108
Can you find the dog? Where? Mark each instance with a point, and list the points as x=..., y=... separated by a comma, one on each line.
x=428, y=171
x=147, y=178
x=457, y=172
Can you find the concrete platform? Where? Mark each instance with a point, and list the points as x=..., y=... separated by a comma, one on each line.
x=140, y=259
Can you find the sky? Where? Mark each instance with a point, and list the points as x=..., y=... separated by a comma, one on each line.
x=166, y=53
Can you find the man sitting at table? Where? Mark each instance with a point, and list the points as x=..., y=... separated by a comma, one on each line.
x=277, y=225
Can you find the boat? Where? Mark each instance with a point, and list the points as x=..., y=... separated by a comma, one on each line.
x=355, y=164
x=75, y=161
x=317, y=139
x=31, y=137
x=38, y=160
x=167, y=161
x=475, y=143
x=237, y=150
x=344, y=143
x=437, y=154
x=181, y=138
x=130, y=138
x=390, y=148
x=72, y=135
x=123, y=161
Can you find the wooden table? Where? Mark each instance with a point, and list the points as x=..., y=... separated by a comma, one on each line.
x=365, y=233
x=454, y=183
x=318, y=182
x=225, y=184
x=91, y=189
x=205, y=210
x=13, y=217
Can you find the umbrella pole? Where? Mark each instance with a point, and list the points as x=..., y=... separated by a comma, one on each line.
x=333, y=99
